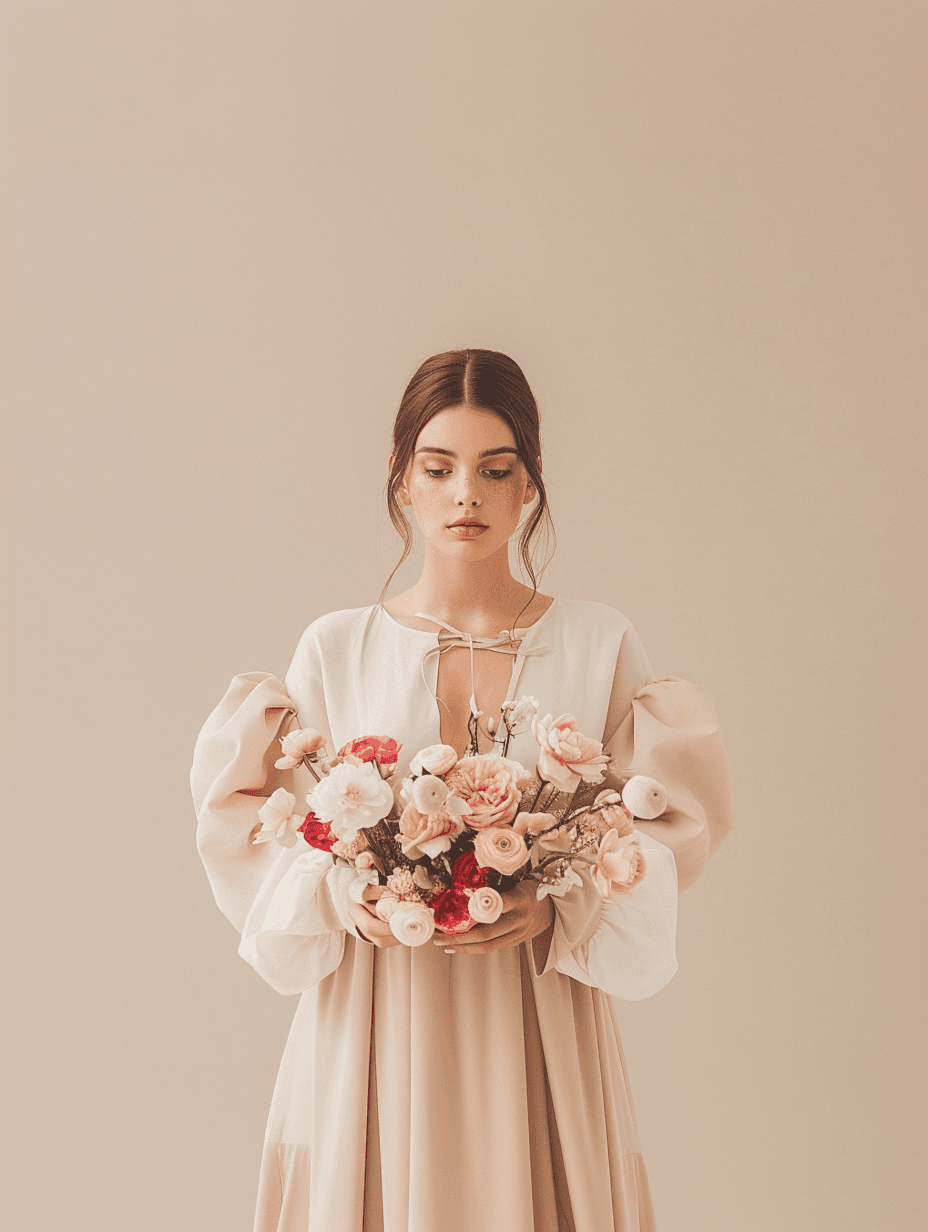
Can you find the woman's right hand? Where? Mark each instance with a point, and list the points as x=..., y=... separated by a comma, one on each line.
x=371, y=927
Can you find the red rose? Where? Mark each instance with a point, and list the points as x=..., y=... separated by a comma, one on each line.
x=467, y=873
x=382, y=749
x=318, y=833
x=451, y=913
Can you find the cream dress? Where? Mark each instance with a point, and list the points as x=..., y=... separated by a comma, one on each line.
x=426, y=1092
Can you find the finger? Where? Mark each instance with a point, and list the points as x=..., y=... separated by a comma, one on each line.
x=506, y=940
x=518, y=912
x=488, y=934
x=370, y=924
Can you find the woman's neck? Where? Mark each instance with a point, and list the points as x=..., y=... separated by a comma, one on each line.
x=480, y=597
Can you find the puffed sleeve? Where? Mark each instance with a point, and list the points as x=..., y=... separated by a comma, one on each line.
x=289, y=903
x=666, y=729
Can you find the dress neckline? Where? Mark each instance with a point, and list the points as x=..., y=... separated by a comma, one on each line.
x=430, y=633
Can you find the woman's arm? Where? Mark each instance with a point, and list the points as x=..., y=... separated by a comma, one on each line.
x=625, y=944
x=289, y=904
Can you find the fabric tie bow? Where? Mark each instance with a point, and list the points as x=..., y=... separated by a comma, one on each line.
x=502, y=643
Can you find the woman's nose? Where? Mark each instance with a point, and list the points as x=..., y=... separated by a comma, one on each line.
x=467, y=492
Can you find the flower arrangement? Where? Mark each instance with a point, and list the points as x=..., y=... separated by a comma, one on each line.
x=447, y=841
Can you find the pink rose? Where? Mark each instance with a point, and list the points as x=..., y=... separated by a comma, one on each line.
x=501, y=849
x=296, y=745
x=567, y=756
x=427, y=833
x=487, y=784
x=619, y=863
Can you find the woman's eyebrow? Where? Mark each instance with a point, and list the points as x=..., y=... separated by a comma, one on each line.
x=485, y=453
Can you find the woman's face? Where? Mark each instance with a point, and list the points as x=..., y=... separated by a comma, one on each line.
x=465, y=465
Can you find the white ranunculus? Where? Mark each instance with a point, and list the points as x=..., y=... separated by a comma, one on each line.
x=435, y=759
x=645, y=797
x=350, y=798
x=412, y=923
x=485, y=905
x=429, y=793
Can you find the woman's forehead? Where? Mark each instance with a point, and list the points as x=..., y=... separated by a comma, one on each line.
x=462, y=429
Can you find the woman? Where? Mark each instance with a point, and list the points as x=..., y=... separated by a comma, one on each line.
x=478, y=1081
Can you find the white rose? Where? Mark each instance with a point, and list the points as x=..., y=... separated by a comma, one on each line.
x=412, y=923
x=350, y=798
x=485, y=905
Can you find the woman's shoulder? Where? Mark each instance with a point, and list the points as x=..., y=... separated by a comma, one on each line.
x=333, y=625
x=592, y=613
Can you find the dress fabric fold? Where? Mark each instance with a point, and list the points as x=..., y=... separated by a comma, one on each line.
x=417, y=1089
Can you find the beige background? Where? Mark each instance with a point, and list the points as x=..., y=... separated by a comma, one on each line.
x=240, y=228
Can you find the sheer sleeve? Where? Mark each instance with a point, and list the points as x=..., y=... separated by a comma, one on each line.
x=666, y=729
x=289, y=903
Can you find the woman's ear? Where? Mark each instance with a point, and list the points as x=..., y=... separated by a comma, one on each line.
x=530, y=490
x=400, y=487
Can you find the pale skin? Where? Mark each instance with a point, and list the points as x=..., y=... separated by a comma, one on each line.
x=468, y=583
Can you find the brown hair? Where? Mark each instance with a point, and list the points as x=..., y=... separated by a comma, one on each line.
x=483, y=380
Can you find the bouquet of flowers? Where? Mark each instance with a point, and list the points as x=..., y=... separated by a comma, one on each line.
x=449, y=839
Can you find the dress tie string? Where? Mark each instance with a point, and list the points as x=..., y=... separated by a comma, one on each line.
x=502, y=643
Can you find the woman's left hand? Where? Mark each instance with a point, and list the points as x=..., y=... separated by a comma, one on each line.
x=523, y=917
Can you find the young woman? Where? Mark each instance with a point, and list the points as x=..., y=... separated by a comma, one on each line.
x=476, y=1082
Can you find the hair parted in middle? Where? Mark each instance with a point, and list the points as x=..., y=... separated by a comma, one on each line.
x=482, y=380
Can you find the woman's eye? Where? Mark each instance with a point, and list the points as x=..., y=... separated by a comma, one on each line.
x=437, y=473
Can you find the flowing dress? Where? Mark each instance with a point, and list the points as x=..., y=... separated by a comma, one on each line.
x=423, y=1091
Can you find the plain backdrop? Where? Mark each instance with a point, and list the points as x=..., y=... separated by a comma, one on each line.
x=239, y=229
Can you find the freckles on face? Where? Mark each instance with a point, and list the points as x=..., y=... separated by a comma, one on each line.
x=466, y=461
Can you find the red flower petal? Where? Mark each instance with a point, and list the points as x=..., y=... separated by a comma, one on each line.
x=467, y=873
x=451, y=914
x=318, y=833
x=382, y=749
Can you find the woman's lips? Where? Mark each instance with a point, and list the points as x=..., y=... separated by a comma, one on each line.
x=467, y=532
